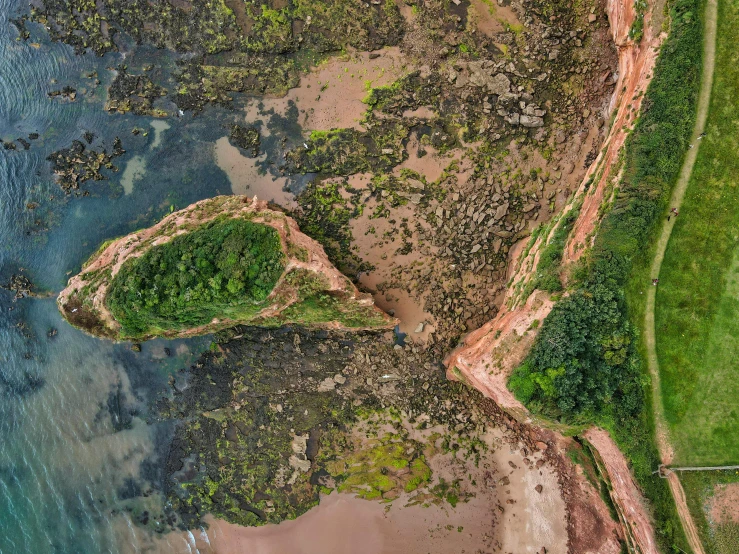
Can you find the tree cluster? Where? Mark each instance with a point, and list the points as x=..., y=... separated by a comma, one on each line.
x=197, y=276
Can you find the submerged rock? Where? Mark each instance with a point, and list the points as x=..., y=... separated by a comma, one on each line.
x=270, y=275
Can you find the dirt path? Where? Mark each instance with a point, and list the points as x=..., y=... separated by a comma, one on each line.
x=691, y=531
x=665, y=449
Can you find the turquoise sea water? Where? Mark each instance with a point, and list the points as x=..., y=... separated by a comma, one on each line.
x=77, y=455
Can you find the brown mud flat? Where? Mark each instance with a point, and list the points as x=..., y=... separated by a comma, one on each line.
x=331, y=95
x=522, y=499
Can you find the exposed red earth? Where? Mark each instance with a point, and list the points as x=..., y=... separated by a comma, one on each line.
x=487, y=356
x=624, y=491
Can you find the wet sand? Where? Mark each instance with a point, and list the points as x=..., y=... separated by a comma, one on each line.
x=431, y=166
x=247, y=178
x=407, y=309
x=331, y=96
x=343, y=524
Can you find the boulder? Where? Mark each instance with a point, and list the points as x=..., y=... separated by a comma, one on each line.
x=531, y=121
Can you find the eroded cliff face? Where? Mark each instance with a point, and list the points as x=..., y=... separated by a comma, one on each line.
x=487, y=356
x=83, y=301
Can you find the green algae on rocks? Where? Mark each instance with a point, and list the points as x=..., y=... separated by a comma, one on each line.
x=270, y=419
x=239, y=46
x=220, y=262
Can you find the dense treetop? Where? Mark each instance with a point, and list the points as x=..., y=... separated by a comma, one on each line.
x=225, y=268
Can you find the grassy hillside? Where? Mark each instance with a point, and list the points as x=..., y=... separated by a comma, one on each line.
x=697, y=309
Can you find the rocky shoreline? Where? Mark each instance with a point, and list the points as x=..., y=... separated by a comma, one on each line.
x=423, y=199
x=289, y=404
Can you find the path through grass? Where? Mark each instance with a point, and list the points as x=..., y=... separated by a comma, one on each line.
x=697, y=303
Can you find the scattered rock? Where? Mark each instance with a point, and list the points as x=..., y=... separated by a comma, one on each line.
x=326, y=385
x=531, y=121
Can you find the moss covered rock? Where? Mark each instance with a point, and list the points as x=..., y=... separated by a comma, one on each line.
x=220, y=262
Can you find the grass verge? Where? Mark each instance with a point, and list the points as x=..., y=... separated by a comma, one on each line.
x=697, y=307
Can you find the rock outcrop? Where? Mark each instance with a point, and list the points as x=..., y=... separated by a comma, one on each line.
x=487, y=356
x=307, y=270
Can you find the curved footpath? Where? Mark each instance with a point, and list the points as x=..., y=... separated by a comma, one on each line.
x=665, y=449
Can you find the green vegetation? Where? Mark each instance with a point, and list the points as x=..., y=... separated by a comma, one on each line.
x=267, y=45
x=697, y=307
x=224, y=269
x=318, y=305
x=324, y=216
x=378, y=468
x=348, y=151
x=407, y=93
x=637, y=28
x=581, y=368
x=550, y=258
x=701, y=489
x=585, y=366
x=192, y=275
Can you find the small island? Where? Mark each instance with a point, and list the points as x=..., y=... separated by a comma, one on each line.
x=220, y=262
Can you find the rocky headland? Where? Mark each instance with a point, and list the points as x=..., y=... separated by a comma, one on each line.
x=441, y=142
x=308, y=290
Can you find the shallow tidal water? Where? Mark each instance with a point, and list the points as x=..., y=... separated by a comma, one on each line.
x=77, y=455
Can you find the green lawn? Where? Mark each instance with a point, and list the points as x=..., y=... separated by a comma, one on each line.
x=697, y=309
x=718, y=537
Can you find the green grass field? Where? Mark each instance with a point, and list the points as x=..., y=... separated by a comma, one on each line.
x=697, y=309
x=718, y=536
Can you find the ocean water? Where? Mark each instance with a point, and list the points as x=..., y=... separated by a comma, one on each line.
x=77, y=456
